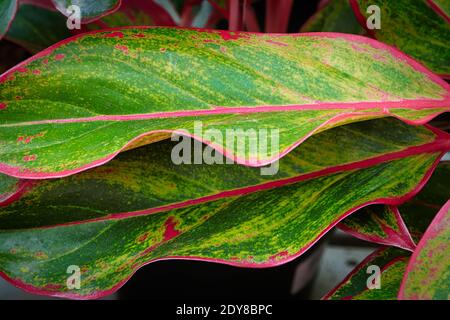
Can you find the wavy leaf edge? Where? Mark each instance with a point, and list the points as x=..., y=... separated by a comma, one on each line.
x=396, y=200
x=384, y=107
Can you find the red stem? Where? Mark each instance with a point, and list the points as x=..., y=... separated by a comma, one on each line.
x=271, y=15
x=283, y=15
x=186, y=14
x=251, y=22
x=236, y=21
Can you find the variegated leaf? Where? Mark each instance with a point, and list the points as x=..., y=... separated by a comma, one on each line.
x=427, y=275
x=96, y=94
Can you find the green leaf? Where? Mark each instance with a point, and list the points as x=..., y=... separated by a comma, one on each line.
x=90, y=10
x=379, y=224
x=420, y=211
x=36, y=28
x=80, y=220
x=134, y=13
x=334, y=16
x=147, y=179
x=392, y=263
x=8, y=10
x=414, y=27
x=9, y=186
x=389, y=226
x=67, y=101
x=428, y=273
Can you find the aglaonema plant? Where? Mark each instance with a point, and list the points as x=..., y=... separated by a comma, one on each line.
x=87, y=175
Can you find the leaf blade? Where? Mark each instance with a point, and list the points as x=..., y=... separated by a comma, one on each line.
x=333, y=16
x=392, y=263
x=234, y=230
x=382, y=224
x=427, y=275
x=90, y=11
x=149, y=182
x=63, y=111
x=416, y=28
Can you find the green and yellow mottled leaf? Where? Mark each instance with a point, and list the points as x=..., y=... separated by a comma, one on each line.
x=79, y=103
x=147, y=179
x=64, y=225
x=90, y=10
x=8, y=10
x=415, y=27
x=420, y=211
x=8, y=187
x=392, y=264
x=379, y=224
x=428, y=273
x=334, y=16
x=389, y=226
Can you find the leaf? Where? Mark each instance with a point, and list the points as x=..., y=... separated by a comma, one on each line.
x=427, y=275
x=90, y=10
x=392, y=263
x=236, y=230
x=379, y=224
x=46, y=4
x=442, y=7
x=160, y=80
x=414, y=27
x=333, y=16
x=421, y=210
x=386, y=226
x=148, y=180
x=134, y=13
x=9, y=186
x=8, y=10
x=36, y=28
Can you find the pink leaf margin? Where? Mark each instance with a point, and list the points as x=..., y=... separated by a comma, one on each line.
x=432, y=231
x=401, y=239
x=362, y=20
x=384, y=106
x=441, y=143
x=393, y=201
x=358, y=268
x=89, y=20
